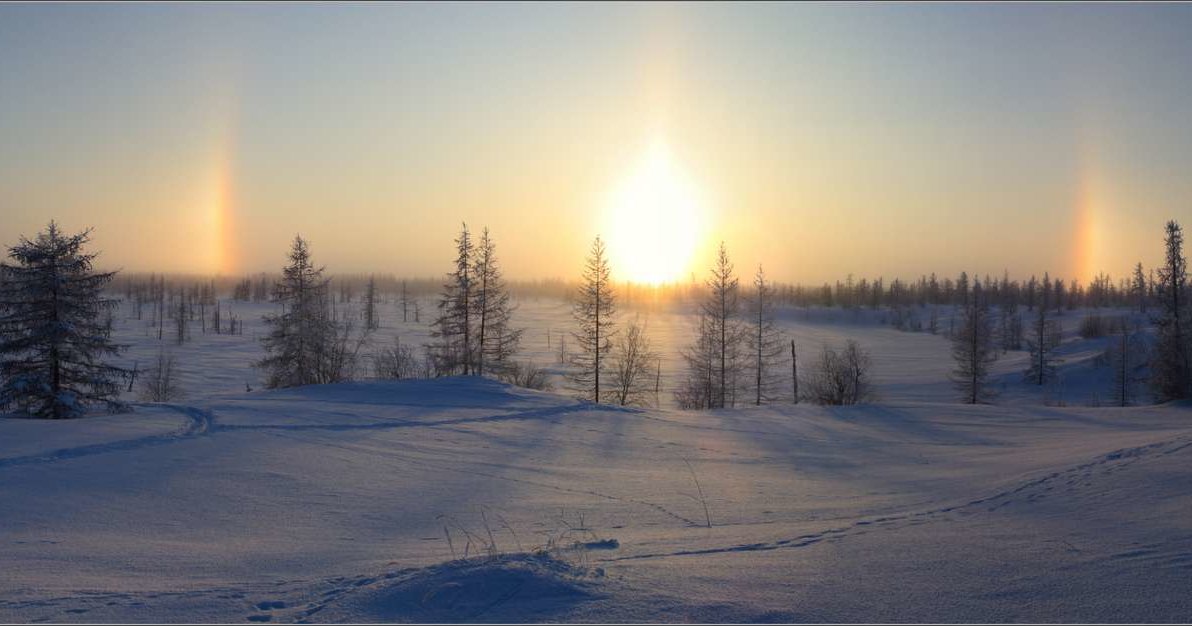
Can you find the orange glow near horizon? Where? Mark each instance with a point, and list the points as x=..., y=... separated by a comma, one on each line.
x=220, y=220
x=1084, y=252
x=1086, y=219
x=220, y=203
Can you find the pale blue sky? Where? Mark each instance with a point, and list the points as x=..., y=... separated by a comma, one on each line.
x=824, y=139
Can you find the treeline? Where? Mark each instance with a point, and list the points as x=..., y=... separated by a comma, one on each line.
x=349, y=287
x=1140, y=289
x=1103, y=292
x=56, y=323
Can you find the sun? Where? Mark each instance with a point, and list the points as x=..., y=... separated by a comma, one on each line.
x=653, y=220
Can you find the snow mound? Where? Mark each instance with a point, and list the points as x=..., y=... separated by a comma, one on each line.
x=506, y=588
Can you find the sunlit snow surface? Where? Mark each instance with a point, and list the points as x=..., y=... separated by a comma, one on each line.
x=329, y=503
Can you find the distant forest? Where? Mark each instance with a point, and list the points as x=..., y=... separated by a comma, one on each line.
x=849, y=293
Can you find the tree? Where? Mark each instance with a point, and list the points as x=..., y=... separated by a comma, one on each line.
x=632, y=366
x=962, y=288
x=52, y=334
x=161, y=307
x=396, y=362
x=721, y=331
x=525, y=374
x=160, y=383
x=973, y=349
x=795, y=374
x=1139, y=287
x=453, y=350
x=839, y=378
x=300, y=344
x=1044, y=338
x=1125, y=354
x=1171, y=377
x=405, y=303
x=371, y=322
x=180, y=329
x=1011, y=324
x=697, y=389
x=764, y=340
x=594, y=310
x=496, y=340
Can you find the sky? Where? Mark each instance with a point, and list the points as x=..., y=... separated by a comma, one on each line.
x=816, y=139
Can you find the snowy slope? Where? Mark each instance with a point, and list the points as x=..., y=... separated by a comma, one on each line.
x=329, y=504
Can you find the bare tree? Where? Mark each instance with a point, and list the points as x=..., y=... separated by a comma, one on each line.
x=633, y=365
x=339, y=355
x=161, y=307
x=838, y=378
x=405, y=303
x=594, y=310
x=396, y=362
x=180, y=329
x=371, y=322
x=794, y=374
x=525, y=374
x=160, y=382
x=697, y=389
x=1125, y=354
x=764, y=340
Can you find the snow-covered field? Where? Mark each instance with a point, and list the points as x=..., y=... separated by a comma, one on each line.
x=908, y=366
x=329, y=504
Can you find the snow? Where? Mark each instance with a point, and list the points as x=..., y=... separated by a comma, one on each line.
x=329, y=503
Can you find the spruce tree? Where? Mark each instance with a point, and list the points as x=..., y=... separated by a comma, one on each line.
x=1138, y=288
x=594, y=310
x=454, y=352
x=1044, y=338
x=721, y=310
x=496, y=340
x=973, y=349
x=53, y=338
x=301, y=337
x=1171, y=376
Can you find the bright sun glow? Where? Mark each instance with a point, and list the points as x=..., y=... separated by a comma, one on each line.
x=653, y=221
